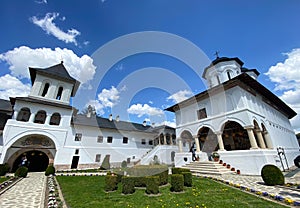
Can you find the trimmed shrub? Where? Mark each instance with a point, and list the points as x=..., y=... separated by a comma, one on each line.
x=152, y=184
x=163, y=177
x=111, y=183
x=21, y=172
x=50, y=170
x=272, y=175
x=119, y=174
x=140, y=181
x=105, y=163
x=187, y=178
x=179, y=170
x=124, y=164
x=128, y=185
x=4, y=168
x=177, y=182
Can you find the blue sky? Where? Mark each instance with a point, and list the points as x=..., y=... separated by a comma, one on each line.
x=138, y=84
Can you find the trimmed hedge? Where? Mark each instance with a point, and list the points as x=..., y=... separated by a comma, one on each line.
x=152, y=184
x=177, y=182
x=4, y=168
x=187, y=178
x=272, y=175
x=179, y=170
x=111, y=183
x=128, y=185
x=163, y=177
x=21, y=172
x=140, y=181
x=50, y=170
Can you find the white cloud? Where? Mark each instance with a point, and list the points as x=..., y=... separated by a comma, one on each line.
x=167, y=123
x=107, y=98
x=140, y=110
x=12, y=87
x=19, y=59
x=49, y=26
x=286, y=77
x=42, y=2
x=180, y=96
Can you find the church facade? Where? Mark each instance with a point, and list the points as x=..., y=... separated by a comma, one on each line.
x=238, y=118
x=46, y=129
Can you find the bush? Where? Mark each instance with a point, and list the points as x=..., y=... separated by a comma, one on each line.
x=21, y=172
x=140, y=181
x=124, y=164
x=297, y=161
x=105, y=163
x=272, y=175
x=179, y=170
x=4, y=168
x=177, y=182
x=187, y=178
x=152, y=184
x=50, y=170
x=111, y=183
x=128, y=185
x=163, y=177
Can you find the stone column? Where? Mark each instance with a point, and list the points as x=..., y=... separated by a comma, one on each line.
x=15, y=114
x=197, y=143
x=268, y=140
x=171, y=139
x=165, y=139
x=180, y=144
x=220, y=141
x=47, y=121
x=159, y=140
x=252, y=138
x=260, y=139
x=31, y=118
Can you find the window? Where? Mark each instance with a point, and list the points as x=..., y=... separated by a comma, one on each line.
x=78, y=137
x=98, y=158
x=125, y=140
x=202, y=113
x=150, y=142
x=143, y=141
x=55, y=119
x=100, y=139
x=228, y=75
x=76, y=151
x=109, y=139
x=59, y=93
x=46, y=87
x=24, y=114
x=40, y=117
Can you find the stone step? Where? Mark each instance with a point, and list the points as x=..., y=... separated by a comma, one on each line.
x=213, y=168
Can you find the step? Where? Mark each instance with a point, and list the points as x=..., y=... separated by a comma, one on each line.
x=212, y=168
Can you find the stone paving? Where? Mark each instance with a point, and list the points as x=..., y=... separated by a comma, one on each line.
x=28, y=193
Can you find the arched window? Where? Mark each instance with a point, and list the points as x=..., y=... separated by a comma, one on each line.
x=55, y=119
x=40, y=117
x=45, y=90
x=218, y=79
x=24, y=114
x=59, y=93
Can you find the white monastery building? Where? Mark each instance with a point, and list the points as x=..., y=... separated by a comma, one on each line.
x=237, y=117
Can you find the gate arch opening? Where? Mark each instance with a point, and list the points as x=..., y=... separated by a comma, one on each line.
x=38, y=161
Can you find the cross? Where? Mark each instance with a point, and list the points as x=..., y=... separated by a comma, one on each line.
x=61, y=59
x=217, y=54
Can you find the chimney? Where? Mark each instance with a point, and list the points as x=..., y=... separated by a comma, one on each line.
x=117, y=118
x=110, y=117
x=144, y=123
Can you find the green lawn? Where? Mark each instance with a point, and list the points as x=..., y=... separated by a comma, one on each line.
x=2, y=179
x=88, y=192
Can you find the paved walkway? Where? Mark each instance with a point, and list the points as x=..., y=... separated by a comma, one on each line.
x=28, y=193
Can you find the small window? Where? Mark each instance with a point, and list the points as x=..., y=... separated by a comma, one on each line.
x=228, y=75
x=76, y=151
x=98, y=158
x=23, y=115
x=55, y=119
x=100, y=139
x=202, y=113
x=78, y=137
x=40, y=117
x=45, y=89
x=143, y=141
x=59, y=93
x=109, y=139
x=150, y=142
x=125, y=140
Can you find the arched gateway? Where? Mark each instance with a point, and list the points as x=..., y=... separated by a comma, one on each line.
x=38, y=149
